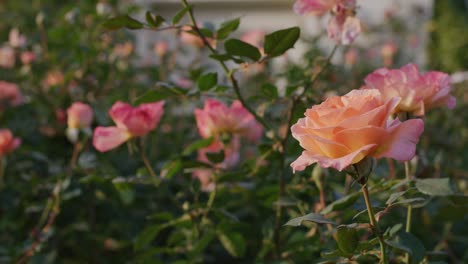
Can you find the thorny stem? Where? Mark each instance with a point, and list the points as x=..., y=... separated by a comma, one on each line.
x=409, y=210
x=52, y=208
x=226, y=70
x=148, y=166
x=2, y=172
x=373, y=223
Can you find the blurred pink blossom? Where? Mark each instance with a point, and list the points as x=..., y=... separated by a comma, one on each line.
x=16, y=39
x=216, y=119
x=343, y=27
x=130, y=122
x=161, y=48
x=53, y=78
x=313, y=7
x=123, y=50
x=188, y=37
x=27, y=57
x=80, y=115
x=254, y=38
x=9, y=95
x=419, y=92
x=8, y=143
x=388, y=51
x=351, y=57
x=7, y=57
x=231, y=159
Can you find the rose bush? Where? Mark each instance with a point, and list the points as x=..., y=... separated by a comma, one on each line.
x=190, y=160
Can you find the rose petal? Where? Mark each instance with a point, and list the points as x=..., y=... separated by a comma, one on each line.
x=401, y=144
x=107, y=138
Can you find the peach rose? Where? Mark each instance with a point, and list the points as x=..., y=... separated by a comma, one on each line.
x=216, y=118
x=343, y=130
x=7, y=142
x=418, y=92
x=130, y=121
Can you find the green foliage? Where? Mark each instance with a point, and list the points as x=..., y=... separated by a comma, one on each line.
x=280, y=41
x=79, y=205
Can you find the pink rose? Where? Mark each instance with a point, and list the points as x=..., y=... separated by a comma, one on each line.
x=418, y=92
x=16, y=39
x=130, y=121
x=216, y=118
x=7, y=57
x=161, y=48
x=80, y=115
x=7, y=142
x=27, y=57
x=313, y=7
x=388, y=51
x=9, y=95
x=343, y=29
x=53, y=78
x=123, y=50
x=351, y=57
x=343, y=130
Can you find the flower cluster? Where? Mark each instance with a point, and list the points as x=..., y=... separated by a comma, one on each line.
x=344, y=130
x=343, y=27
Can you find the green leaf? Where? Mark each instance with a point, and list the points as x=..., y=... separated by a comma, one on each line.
x=176, y=19
x=280, y=41
x=435, y=187
x=233, y=242
x=312, y=217
x=342, y=203
x=270, y=91
x=240, y=48
x=202, y=143
x=207, y=81
x=152, y=20
x=159, y=94
x=126, y=192
x=171, y=168
x=227, y=27
x=394, y=196
x=147, y=235
x=215, y=157
x=411, y=244
x=201, y=244
x=286, y=201
x=347, y=239
x=119, y=22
